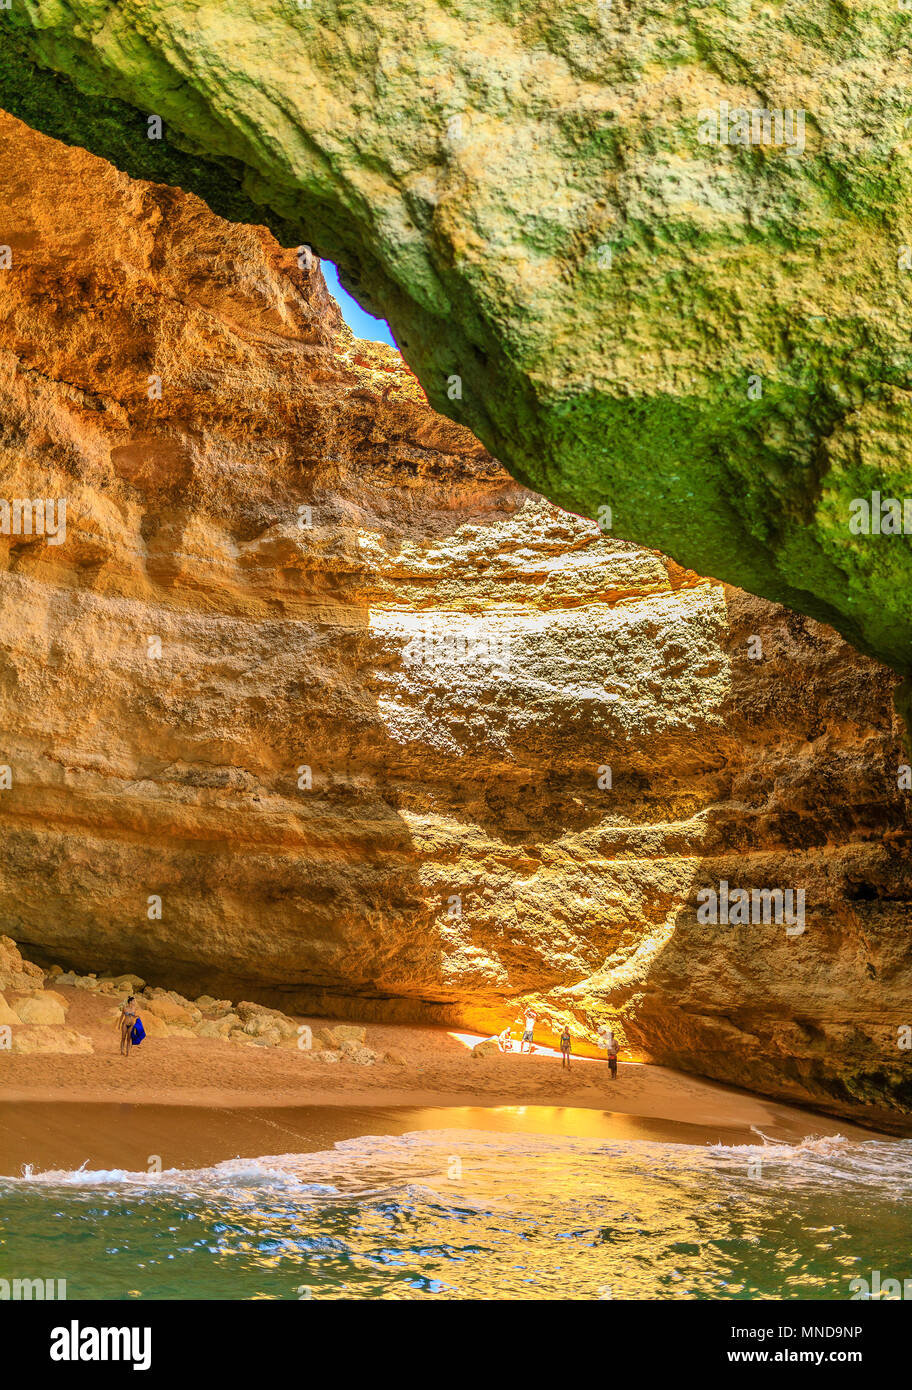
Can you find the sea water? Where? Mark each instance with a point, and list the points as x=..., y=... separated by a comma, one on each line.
x=458, y=1214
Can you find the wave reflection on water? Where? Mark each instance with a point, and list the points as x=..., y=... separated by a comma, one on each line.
x=470, y=1214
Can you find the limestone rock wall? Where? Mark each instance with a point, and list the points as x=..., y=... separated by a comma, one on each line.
x=313, y=672
x=664, y=248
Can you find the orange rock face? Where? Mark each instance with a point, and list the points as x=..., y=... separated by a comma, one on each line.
x=310, y=703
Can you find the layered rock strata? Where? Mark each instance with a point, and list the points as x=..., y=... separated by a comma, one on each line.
x=657, y=259
x=313, y=705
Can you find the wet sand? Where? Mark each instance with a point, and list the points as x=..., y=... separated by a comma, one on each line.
x=64, y=1136
x=195, y=1101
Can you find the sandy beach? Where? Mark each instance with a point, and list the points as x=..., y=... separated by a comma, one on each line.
x=195, y=1101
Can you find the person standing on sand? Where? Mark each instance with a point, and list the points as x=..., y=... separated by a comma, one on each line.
x=127, y=1019
x=529, y=1017
x=611, y=1048
x=565, y=1047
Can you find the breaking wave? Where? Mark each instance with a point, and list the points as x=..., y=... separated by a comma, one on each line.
x=469, y=1214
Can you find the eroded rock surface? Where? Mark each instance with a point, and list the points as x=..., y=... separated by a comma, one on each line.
x=635, y=300
x=33, y=1018
x=433, y=746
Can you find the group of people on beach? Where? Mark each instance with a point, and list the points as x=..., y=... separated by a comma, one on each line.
x=129, y=1019
x=527, y=1021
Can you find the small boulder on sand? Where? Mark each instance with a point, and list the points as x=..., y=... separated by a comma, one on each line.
x=7, y=1015
x=40, y=1010
x=335, y=1036
x=175, y=1015
x=213, y=1008
x=59, y=1040
x=172, y=996
x=130, y=984
x=155, y=1027
x=217, y=1027
x=265, y=1026
x=265, y=1040
x=258, y=1020
x=16, y=973
x=488, y=1047
x=108, y=985
x=51, y=994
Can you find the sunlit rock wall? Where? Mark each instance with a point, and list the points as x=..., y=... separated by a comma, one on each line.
x=655, y=256
x=312, y=703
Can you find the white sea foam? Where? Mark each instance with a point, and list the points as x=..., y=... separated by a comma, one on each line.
x=477, y=1214
x=372, y=1166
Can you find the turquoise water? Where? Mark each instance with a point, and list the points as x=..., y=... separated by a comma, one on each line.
x=471, y=1214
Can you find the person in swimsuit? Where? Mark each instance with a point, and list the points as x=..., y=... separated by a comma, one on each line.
x=505, y=1041
x=565, y=1047
x=127, y=1019
x=529, y=1018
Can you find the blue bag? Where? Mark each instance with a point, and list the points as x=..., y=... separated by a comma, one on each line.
x=137, y=1033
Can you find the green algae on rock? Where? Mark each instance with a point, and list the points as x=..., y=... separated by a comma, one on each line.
x=711, y=340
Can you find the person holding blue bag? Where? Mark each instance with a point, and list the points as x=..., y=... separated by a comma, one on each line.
x=132, y=1031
